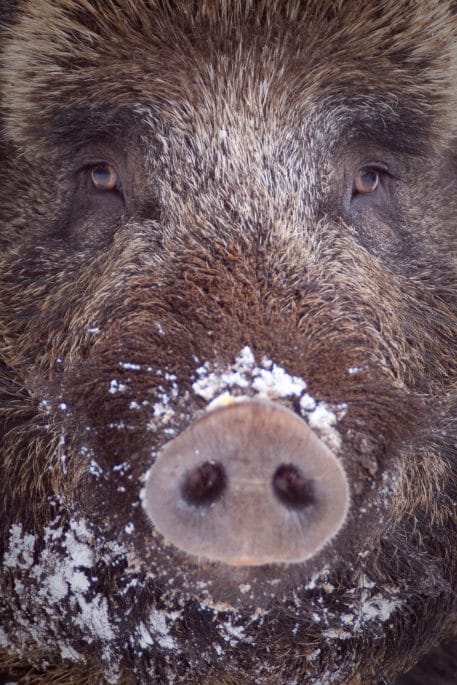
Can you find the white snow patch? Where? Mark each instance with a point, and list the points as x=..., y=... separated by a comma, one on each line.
x=234, y=634
x=321, y=418
x=270, y=380
x=307, y=403
x=122, y=468
x=95, y=470
x=130, y=366
x=56, y=588
x=158, y=623
x=19, y=587
x=4, y=642
x=379, y=608
x=60, y=574
x=224, y=400
x=318, y=579
x=365, y=609
x=46, y=405
x=70, y=653
x=79, y=582
x=21, y=547
x=222, y=387
x=163, y=409
x=365, y=582
x=314, y=655
x=95, y=617
x=337, y=634
x=115, y=387
x=145, y=638
x=277, y=383
x=79, y=553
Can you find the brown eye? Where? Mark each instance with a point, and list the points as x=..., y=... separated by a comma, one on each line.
x=105, y=177
x=366, y=180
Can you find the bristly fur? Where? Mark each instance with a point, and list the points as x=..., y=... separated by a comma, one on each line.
x=69, y=51
x=237, y=128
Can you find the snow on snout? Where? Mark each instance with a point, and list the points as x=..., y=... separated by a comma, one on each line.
x=268, y=380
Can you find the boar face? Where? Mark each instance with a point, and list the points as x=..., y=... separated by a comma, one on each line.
x=228, y=316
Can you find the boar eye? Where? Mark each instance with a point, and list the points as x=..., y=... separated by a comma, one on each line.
x=366, y=180
x=105, y=177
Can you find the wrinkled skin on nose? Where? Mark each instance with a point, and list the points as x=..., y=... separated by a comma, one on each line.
x=248, y=484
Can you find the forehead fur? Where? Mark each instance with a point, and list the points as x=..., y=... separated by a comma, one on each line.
x=66, y=53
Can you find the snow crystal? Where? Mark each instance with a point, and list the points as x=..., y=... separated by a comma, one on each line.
x=307, y=403
x=46, y=405
x=314, y=655
x=115, y=387
x=317, y=579
x=145, y=638
x=95, y=616
x=95, y=469
x=160, y=629
x=79, y=582
x=365, y=582
x=79, y=553
x=122, y=468
x=19, y=586
x=233, y=634
x=162, y=409
x=129, y=366
x=69, y=653
x=4, y=642
x=277, y=383
x=56, y=588
x=224, y=400
x=21, y=548
x=378, y=607
x=321, y=417
x=269, y=381
x=245, y=359
x=337, y=634
x=221, y=387
x=323, y=420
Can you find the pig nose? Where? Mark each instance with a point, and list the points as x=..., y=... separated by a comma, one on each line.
x=247, y=485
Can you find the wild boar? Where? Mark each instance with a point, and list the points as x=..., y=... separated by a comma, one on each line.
x=228, y=341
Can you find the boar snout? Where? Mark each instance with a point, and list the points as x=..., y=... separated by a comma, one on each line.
x=247, y=484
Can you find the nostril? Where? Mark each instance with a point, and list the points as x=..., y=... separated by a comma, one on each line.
x=292, y=488
x=204, y=484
